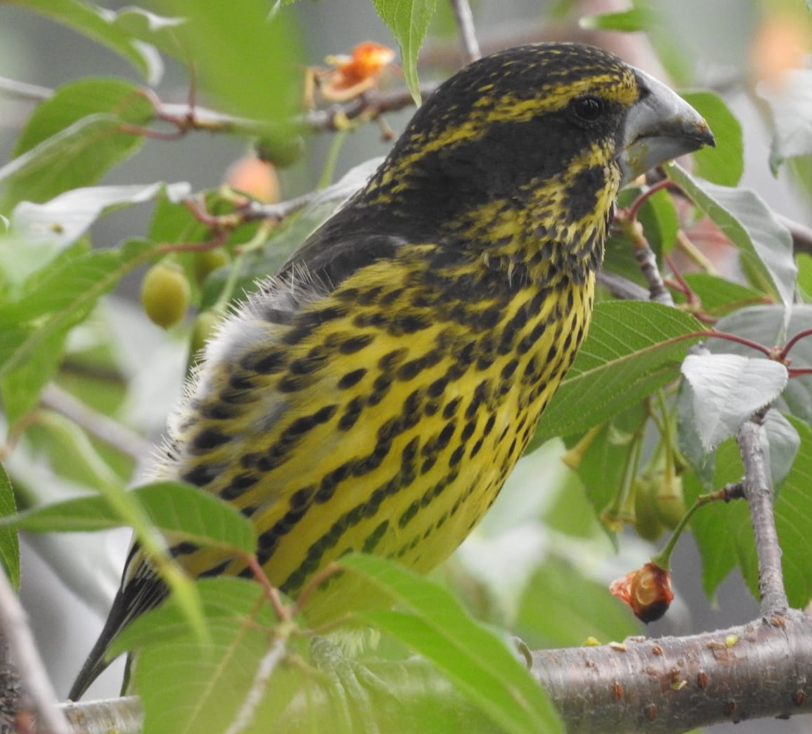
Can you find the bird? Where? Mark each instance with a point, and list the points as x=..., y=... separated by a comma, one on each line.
x=376, y=392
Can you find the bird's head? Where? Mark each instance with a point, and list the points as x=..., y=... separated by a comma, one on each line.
x=550, y=130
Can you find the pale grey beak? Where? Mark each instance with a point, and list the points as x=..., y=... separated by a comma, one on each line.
x=659, y=127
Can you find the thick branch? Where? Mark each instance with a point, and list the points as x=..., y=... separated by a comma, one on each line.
x=676, y=684
x=760, y=499
x=664, y=686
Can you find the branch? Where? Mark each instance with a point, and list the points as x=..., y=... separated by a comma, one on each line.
x=22, y=90
x=36, y=683
x=95, y=423
x=621, y=287
x=675, y=684
x=774, y=602
x=801, y=234
x=119, y=715
x=664, y=686
x=465, y=25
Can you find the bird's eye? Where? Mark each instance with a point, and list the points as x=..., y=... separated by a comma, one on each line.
x=588, y=108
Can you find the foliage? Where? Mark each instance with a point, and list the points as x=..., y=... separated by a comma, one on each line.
x=654, y=399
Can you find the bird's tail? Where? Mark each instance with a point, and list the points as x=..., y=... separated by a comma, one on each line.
x=97, y=661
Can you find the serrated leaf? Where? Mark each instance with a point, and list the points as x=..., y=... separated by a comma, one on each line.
x=724, y=164
x=633, y=348
x=726, y=389
x=178, y=510
x=765, y=245
x=73, y=138
x=791, y=108
x=97, y=24
x=408, y=20
x=477, y=661
x=9, y=543
x=765, y=325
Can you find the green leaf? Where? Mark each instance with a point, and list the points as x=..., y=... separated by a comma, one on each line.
x=477, y=661
x=177, y=672
x=765, y=325
x=178, y=510
x=717, y=526
x=98, y=24
x=156, y=30
x=660, y=221
x=791, y=108
x=724, y=532
x=781, y=447
x=226, y=40
x=9, y=543
x=408, y=20
x=793, y=519
x=765, y=245
x=112, y=266
x=726, y=389
x=629, y=21
x=21, y=387
x=805, y=275
x=606, y=452
x=561, y=607
x=720, y=296
x=74, y=138
x=633, y=348
x=724, y=164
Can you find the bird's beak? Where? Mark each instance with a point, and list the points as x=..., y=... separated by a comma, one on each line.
x=660, y=126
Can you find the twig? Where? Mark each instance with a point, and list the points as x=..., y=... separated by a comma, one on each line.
x=23, y=650
x=760, y=499
x=801, y=234
x=95, y=423
x=465, y=25
x=255, y=210
x=371, y=105
x=647, y=261
x=22, y=90
x=621, y=287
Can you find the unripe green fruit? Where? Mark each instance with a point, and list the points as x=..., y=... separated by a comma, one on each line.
x=165, y=294
x=647, y=523
x=669, y=501
x=207, y=261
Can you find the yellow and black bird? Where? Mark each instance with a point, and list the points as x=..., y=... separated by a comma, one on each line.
x=375, y=393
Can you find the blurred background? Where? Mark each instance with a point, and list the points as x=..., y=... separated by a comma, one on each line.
x=732, y=46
